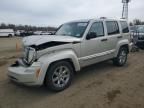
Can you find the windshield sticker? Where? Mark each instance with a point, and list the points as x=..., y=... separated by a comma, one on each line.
x=77, y=35
x=82, y=24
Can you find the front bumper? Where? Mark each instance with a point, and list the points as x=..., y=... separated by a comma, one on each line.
x=24, y=75
x=140, y=43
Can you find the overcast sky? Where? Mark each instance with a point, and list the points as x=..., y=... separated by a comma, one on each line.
x=56, y=12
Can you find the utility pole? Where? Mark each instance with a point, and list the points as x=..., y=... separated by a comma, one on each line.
x=125, y=9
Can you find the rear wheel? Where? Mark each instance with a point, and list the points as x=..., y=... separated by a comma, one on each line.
x=121, y=58
x=10, y=35
x=59, y=76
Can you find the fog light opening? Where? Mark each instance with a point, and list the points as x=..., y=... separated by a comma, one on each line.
x=37, y=72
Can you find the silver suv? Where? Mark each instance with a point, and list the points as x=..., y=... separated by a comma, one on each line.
x=54, y=59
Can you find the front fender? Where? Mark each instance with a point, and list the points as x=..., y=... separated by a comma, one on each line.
x=47, y=59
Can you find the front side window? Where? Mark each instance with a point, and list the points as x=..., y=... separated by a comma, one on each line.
x=112, y=27
x=97, y=28
x=75, y=29
x=124, y=26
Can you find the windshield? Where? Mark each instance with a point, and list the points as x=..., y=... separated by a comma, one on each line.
x=140, y=29
x=75, y=29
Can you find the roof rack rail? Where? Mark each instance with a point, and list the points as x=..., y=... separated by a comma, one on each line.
x=103, y=17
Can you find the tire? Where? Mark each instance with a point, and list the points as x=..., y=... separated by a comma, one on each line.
x=121, y=58
x=59, y=76
x=141, y=47
x=10, y=35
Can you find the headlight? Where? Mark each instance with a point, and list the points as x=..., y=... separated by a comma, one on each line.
x=29, y=55
x=32, y=55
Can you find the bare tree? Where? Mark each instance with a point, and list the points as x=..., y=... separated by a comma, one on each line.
x=3, y=26
x=26, y=27
x=137, y=22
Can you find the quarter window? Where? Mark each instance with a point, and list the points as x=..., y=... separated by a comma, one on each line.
x=124, y=26
x=112, y=27
x=98, y=29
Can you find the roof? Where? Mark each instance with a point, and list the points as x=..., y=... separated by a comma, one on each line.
x=102, y=18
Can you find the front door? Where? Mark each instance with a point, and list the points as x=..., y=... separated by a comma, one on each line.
x=92, y=46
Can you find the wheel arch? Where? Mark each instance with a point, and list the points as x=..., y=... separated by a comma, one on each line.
x=69, y=60
x=123, y=43
x=49, y=59
x=126, y=46
x=10, y=35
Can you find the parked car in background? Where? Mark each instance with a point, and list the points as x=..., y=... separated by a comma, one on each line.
x=26, y=33
x=53, y=60
x=132, y=28
x=43, y=32
x=6, y=32
x=37, y=32
x=19, y=32
x=137, y=33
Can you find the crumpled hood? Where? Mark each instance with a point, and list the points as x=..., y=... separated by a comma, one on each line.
x=41, y=39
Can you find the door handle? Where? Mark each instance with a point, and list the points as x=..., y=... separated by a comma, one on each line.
x=104, y=40
x=119, y=37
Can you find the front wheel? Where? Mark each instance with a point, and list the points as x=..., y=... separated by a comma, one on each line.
x=59, y=76
x=121, y=58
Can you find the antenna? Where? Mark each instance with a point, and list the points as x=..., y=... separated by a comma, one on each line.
x=125, y=9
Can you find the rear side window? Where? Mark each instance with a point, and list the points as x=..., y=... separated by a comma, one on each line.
x=112, y=27
x=97, y=28
x=124, y=26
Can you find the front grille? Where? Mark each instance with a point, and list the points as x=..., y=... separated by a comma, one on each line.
x=141, y=38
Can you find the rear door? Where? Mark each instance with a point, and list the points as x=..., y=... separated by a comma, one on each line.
x=113, y=35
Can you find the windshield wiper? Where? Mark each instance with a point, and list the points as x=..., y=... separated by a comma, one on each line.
x=67, y=35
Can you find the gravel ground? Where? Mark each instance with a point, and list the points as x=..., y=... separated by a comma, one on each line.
x=98, y=86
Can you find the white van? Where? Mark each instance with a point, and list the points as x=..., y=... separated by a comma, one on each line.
x=7, y=32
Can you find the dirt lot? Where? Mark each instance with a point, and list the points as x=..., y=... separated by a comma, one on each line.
x=99, y=86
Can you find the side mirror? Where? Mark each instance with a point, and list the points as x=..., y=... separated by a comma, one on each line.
x=91, y=35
